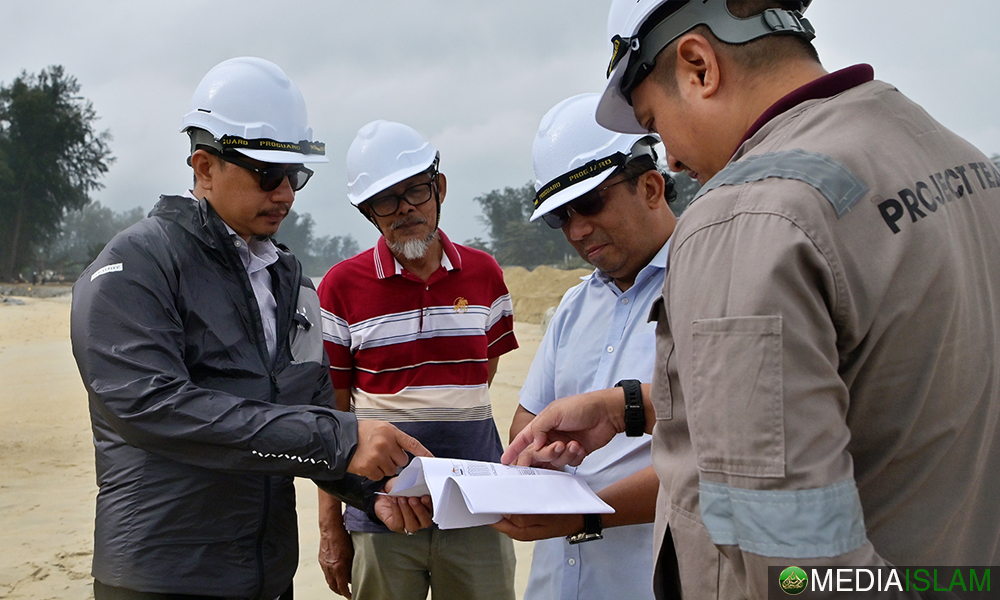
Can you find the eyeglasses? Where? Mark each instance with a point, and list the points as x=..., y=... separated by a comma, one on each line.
x=271, y=177
x=587, y=205
x=414, y=196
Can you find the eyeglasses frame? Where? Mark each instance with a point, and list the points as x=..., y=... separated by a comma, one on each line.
x=286, y=173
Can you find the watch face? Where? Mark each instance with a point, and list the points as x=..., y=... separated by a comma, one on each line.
x=583, y=536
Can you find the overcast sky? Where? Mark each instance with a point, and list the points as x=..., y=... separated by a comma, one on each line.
x=473, y=77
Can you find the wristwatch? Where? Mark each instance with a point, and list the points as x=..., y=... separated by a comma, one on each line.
x=635, y=414
x=591, y=530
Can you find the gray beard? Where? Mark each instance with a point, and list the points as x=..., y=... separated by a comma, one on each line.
x=413, y=249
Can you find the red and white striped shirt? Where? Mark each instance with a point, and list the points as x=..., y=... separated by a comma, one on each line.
x=416, y=354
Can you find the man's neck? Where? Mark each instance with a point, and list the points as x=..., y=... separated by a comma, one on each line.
x=200, y=193
x=766, y=91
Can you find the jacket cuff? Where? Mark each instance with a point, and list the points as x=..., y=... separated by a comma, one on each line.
x=355, y=491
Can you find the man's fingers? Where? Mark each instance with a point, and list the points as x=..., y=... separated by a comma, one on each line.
x=341, y=586
x=524, y=441
x=550, y=455
x=382, y=449
x=505, y=527
x=575, y=453
x=412, y=445
x=422, y=509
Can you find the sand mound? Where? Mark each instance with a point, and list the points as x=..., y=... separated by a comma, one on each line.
x=533, y=292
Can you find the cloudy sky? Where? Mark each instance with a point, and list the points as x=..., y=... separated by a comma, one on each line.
x=474, y=77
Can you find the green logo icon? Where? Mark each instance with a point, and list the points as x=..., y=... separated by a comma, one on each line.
x=793, y=581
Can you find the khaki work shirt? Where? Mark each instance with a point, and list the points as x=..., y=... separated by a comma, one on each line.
x=828, y=335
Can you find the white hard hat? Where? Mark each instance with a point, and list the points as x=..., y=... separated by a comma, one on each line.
x=635, y=43
x=383, y=154
x=249, y=105
x=572, y=154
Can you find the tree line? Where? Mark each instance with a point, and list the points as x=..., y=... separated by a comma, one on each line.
x=50, y=160
x=514, y=240
x=83, y=234
x=51, y=157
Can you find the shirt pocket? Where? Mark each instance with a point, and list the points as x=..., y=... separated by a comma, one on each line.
x=735, y=407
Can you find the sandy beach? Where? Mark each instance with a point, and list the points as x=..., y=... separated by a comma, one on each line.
x=47, y=485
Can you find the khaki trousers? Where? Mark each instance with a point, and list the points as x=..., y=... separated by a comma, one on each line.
x=456, y=564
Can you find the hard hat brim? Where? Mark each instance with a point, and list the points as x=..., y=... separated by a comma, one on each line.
x=280, y=157
x=614, y=111
x=571, y=193
x=391, y=180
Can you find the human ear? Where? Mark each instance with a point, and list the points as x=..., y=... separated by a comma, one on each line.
x=201, y=163
x=697, y=66
x=652, y=186
x=442, y=186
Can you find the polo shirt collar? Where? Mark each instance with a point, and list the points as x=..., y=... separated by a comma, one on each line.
x=386, y=264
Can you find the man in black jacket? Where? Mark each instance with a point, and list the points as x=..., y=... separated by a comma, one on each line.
x=199, y=343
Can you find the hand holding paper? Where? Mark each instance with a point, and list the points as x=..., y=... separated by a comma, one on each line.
x=468, y=493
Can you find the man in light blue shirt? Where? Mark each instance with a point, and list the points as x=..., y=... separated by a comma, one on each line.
x=604, y=191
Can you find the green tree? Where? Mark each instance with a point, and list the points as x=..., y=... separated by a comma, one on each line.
x=317, y=255
x=52, y=158
x=328, y=250
x=514, y=240
x=83, y=234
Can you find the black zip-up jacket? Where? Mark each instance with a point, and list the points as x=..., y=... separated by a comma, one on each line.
x=197, y=433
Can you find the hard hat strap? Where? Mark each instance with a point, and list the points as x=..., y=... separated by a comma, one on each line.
x=232, y=142
x=715, y=15
x=591, y=169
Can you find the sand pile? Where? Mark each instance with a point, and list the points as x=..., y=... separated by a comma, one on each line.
x=533, y=292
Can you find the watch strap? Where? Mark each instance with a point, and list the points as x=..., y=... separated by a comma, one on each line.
x=635, y=414
x=592, y=530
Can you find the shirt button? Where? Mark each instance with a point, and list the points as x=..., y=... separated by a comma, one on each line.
x=238, y=244
x=624, y=300
x=428, y=288
x=611, y=348
x=571, y=561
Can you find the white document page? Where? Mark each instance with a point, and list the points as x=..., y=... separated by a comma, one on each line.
x=467, y=493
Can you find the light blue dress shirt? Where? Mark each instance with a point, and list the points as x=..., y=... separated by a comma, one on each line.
x=598, y=336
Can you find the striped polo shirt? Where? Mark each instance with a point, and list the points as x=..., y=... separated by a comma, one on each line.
x=416, y=354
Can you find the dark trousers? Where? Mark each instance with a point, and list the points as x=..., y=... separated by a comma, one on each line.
x=108, y=592
x=666, y=577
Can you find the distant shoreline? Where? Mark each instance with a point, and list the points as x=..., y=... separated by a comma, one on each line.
x=45, y=290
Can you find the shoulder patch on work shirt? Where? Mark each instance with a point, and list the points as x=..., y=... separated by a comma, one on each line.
x=835, y=181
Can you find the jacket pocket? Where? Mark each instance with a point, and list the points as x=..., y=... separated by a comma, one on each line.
x=735, y=406
x=306, y=336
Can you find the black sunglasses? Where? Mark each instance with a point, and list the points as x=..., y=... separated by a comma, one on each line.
x=414, y=196
x=587, y=205
x=271, y=177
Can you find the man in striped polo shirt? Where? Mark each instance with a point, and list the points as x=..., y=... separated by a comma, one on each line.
x=414, y=328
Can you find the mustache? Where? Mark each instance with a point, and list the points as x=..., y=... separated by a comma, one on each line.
x=407, y=221
x=278, y=211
